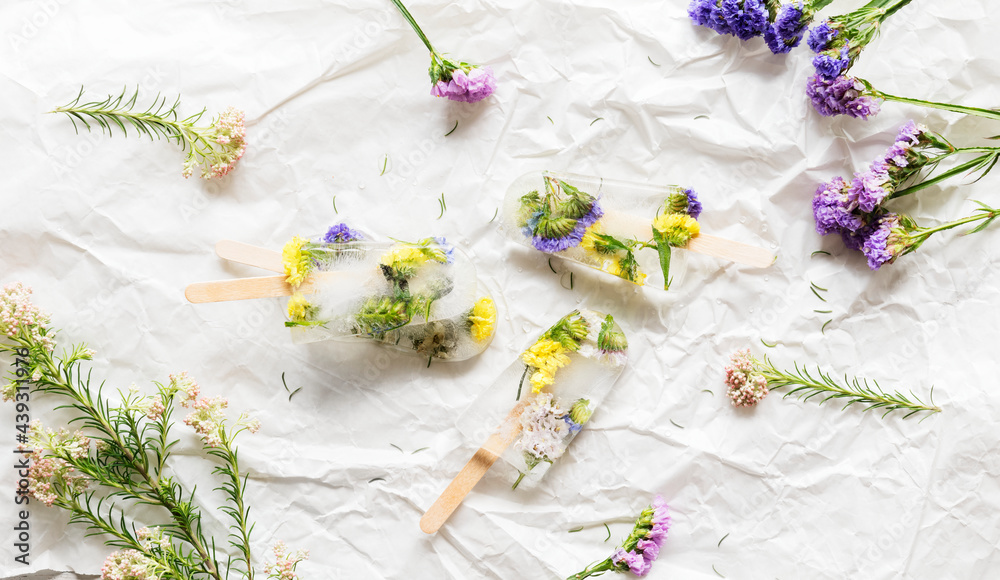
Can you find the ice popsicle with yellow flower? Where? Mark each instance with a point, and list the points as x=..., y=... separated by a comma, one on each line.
x=540, y=402
x=422, y=298
x=605, y=224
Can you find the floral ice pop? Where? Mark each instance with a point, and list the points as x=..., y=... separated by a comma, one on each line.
x=422, y=298
x=605, y=224
x=541, y=402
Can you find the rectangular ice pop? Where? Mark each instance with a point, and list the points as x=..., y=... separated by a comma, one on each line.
x=625, y=229
x=540, y=403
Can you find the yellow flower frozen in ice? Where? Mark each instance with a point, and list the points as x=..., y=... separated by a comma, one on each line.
x=483, y=319
x=547, y=356
x=297, y=264
x=677, y=228
x=403, y=256
x=297, y=307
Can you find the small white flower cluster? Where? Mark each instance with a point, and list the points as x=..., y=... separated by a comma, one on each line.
x=544, y=431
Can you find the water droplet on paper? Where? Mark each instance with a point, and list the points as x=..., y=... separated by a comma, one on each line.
x=718, y=301
x=774, y=245
x=361, y=186
x=766, y=278
x=763, y=228
x=525, y=327
x=743, y=220
x=751, y=311
x=520, y=269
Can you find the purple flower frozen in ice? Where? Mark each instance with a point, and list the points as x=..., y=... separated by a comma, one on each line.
x=833, y=208
x=341, y=233
x=470, y=87
x=694, y=206
x=841, y=96
x=820, y=36
x=747, y=18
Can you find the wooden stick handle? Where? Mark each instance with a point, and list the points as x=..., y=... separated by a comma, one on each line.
x=474, y=470
x=249, y=288
x=250, y=255
x=702, y=243
x=729, y=250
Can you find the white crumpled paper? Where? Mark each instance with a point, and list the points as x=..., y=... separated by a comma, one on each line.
x=108, y=233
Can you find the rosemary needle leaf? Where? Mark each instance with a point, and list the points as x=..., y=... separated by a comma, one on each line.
x=452, y=129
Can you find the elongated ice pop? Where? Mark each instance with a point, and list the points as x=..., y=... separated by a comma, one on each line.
x=422, y=298
x=540, y=403
x=604, y=224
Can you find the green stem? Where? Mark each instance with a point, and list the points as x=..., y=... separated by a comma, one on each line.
x=986, y=113
x=518, y=481
x=971, y=164
x=925, y=233
x=63, y=385
x=414, y=25
x=186, y=133
x=605, y=566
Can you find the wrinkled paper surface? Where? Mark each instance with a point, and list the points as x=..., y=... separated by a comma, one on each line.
x=109, y=234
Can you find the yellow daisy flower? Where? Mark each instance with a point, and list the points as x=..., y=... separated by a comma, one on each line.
x=483, y=319
x=297, y=307
x=677, y=228
x=297, y=264
x=400, y=255
x=547, y=356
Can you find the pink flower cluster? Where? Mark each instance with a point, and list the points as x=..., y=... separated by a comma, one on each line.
x=208, y=419
x=130, y=565
x=747, y=386
x=284, y=562
x=476, y=85
x=19, y=317
x=51, y=474
x=647, y=548
x=186, y=386
x=228, y=138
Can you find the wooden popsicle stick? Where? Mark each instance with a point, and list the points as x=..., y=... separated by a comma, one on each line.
x=474, y=470
x=249, y=288
x=250, y=255
x=702, y=243
x=729, y=250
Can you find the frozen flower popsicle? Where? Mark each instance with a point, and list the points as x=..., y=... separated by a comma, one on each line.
x=605, y=224
x=422, y=298
x=540, y=402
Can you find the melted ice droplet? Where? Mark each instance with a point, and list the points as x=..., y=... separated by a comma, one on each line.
x=743, y=220
x=361, y=186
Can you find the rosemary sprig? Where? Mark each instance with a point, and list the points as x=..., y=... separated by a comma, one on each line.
x=805, y=385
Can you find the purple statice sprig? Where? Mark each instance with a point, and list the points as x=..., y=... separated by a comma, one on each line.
x=856, y=97
x=804, y=384
x=839, y=41
x=640, y=549
x=895, y=235
x=856, y=209
x=456, y=80
x=782, y=25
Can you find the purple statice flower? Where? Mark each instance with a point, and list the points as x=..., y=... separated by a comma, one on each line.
x=340, y=233
x=910, y=133
x=574, y=427
x=830, y=64
x=556, y=245
x=449, y=250
x=467, y=87
x=635, y=561
x=788, y=29
x=747, y=18
x=707, y=13
x=833, y=208
x=841, y=96
x=854, y=240
x=694, y=206
x=872, y=186
x=885, y=242
x=821, y=36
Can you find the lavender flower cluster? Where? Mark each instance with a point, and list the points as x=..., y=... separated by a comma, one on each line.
x=746, y=19
x=855, y=210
